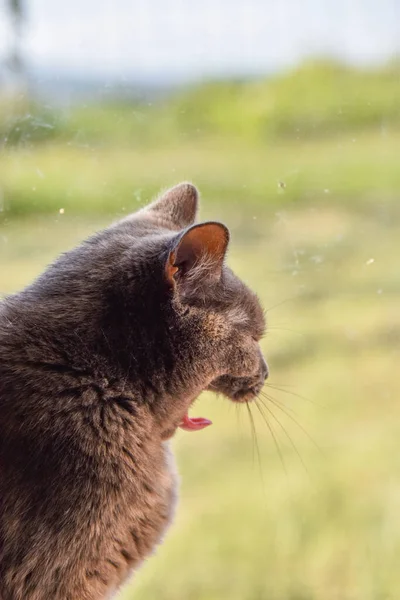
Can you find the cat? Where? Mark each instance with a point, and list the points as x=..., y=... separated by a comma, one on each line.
x=100, y=360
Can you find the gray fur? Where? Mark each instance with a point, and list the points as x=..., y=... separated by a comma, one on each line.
x=100, y=358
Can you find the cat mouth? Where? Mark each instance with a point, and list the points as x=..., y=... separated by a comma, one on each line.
x=194, y=423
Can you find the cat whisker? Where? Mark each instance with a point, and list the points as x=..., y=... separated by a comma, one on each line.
x=254, y=435
x=276, y=401
x=285, y=410
x=281, y=389
x=284, y=385
x=282, y=302
x=285, y=432
x=238, y=413
x=273, y=435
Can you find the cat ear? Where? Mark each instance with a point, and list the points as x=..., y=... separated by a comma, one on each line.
x=198, y=253
x=177, y=205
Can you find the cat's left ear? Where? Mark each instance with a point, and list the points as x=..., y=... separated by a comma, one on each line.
x=198, y=254
x=178, y=205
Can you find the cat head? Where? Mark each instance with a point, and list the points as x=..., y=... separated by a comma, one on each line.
x=151, y=301
x=216, y=320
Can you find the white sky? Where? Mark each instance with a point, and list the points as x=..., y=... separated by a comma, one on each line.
x=174, y=38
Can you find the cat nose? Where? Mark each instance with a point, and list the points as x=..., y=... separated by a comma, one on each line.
x=264, y=369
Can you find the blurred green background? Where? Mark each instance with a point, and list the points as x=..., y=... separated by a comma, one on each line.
x=303, y=166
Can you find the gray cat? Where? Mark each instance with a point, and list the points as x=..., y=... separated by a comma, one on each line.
x=100, y=360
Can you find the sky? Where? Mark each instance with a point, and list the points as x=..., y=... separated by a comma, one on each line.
x=161, y=39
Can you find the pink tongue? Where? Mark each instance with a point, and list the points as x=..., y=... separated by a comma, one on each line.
x=194, y=424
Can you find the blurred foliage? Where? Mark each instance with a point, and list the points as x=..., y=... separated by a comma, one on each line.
x=322, y=132
x=317, y=99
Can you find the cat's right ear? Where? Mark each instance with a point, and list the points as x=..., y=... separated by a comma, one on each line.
x=198, y=255
x=178, y=205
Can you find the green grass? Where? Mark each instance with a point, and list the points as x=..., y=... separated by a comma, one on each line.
x=246, y=529
x=356, y=169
